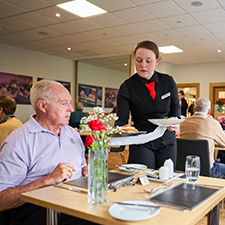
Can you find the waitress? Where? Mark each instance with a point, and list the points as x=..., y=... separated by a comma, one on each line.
x=149, y=94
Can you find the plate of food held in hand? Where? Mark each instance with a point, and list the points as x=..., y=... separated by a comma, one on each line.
x=166, y=121
x=125, y=131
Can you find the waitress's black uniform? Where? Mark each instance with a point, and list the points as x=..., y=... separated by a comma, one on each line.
x=134, y=96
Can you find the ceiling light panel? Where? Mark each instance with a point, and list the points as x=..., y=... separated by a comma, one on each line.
x=169, y=49
x=82, y=8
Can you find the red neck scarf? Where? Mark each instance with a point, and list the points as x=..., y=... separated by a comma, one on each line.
x=151, y=88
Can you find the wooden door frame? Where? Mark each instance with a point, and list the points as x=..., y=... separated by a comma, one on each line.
x=191, y=85
x=212, y=86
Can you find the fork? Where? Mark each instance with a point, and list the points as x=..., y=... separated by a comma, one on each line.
x=159, y=188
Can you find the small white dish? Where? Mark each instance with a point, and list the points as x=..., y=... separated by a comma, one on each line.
x=166, y=122
x=130, y=167
x=154, y=176
x=133, y=213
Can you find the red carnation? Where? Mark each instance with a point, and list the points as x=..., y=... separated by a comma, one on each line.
x=96, y=125
x=89, y=140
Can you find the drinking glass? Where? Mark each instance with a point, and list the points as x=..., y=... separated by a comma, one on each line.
x=192, y=168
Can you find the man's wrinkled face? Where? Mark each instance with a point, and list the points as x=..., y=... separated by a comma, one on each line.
x=59, y=109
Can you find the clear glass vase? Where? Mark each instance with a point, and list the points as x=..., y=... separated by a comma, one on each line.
x=97, y=176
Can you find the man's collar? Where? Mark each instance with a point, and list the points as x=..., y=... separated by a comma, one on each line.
x=203, y=113
x=34, y=126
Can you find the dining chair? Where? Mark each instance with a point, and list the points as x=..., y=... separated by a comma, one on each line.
x=120, y=150
x=193, y=147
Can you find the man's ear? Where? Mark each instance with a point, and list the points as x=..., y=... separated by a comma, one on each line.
x=41, y=104
x=208, y=113
x=1, y=109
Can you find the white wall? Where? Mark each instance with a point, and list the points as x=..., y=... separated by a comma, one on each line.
x=99, y=76
x=30, y=63
x=204, y=74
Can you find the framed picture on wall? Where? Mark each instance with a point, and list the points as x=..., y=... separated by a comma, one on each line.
x=90, y=96
x=16, y=86
x=111, y=97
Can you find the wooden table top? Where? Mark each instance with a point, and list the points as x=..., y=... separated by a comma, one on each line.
x=75, y=204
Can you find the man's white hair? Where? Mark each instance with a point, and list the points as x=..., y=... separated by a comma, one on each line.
x=42, y=90
x=202, y=104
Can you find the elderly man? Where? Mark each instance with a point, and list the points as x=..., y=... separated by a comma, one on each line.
x=42, y=152
x=203, y=126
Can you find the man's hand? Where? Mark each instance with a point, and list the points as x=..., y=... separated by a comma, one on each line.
x=62, y=172
x=10, y=197
x=85, y=171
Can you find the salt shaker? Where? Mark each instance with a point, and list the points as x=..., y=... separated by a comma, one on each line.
x=169, y=164
x=163, y=173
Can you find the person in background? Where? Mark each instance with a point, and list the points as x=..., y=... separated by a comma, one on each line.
x=77, y=115
x=183, y=103
x=203, y=126
x=149, y=94
x=43, y=152
x=8, y=122
x=191, y=108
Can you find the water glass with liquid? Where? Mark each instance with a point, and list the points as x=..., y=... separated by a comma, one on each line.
x=192, y=168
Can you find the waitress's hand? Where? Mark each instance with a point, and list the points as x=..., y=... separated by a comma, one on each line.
x=172, y=128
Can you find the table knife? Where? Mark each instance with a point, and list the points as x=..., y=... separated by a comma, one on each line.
x=70, y=189
x=133, y=204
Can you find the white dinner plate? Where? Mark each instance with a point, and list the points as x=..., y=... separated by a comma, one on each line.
x=166, y=122
x=152, y=175
x=133, y=213
x=130, y=167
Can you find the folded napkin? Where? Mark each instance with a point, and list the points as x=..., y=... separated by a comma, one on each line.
x=138, y=139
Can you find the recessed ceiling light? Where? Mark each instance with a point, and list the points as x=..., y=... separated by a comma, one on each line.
x=125, y=64
x=43, y=33
x=69, y=49
x=219, y=50
x=196, y=3
x=82, y=8
x=169, y=49
x=57, y=15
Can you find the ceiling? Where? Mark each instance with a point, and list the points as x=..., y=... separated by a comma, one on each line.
x=199, y=31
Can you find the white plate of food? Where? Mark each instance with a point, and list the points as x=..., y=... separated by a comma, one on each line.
x=154, y=176
x=133, y=167
x=133, y=213
x=166, y=122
